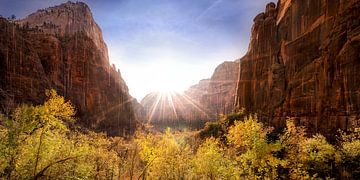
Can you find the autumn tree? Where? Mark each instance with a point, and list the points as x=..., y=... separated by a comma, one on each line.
x=253, y=152
x=166, y=156
x=212, y=162
x=36, y=142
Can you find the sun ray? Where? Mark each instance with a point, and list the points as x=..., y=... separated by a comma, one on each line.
x=171, y=102
x=196, y=105
x=154, y=107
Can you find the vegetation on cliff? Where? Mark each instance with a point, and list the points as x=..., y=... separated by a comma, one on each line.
x=43, y=141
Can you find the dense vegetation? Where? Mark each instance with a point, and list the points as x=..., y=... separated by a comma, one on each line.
x=43, y=142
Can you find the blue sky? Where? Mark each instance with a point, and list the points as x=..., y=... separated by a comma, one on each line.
x=161, y=45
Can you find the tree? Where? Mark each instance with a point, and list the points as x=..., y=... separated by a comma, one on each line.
x=211, y=162
x=290, y=141
x=36, y=142
x=350, y=153
x=254, y=154
x=165, y=156
x=28, y=126
x=318, y=156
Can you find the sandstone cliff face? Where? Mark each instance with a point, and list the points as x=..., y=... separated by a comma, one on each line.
x=217, y=94
x=220, y=96
x=66, y=20
x=201, y=102
x=303, y=61
x=62, y=48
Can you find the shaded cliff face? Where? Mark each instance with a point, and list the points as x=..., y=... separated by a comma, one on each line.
x=201, y=102
x=62, y=48
x=303, y=62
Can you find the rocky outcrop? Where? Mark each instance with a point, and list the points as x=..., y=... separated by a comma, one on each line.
x=303, y=62
x=62, y=48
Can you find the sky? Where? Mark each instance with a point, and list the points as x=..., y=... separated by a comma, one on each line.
x=164, y=45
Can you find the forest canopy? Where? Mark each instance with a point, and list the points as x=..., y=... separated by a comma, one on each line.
x=44, y=141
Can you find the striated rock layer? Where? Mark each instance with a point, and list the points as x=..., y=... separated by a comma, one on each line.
x=62, y=47
x=303, y=61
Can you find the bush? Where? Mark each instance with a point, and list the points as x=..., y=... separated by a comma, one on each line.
x=212, y=129
x=220, y=128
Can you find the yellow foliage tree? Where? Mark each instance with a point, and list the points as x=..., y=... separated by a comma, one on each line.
x=255, y=154
x=211, y=162
x=165, y=156
x=37, y=143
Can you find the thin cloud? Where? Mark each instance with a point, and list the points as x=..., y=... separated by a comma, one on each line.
x=213, y=5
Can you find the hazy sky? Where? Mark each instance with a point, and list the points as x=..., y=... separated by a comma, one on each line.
x=164, y=44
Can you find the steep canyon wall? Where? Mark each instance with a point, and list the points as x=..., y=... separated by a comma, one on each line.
x=62, y=48
x=303, y=61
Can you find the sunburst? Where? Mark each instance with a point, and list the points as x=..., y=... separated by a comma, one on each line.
x=173, y=106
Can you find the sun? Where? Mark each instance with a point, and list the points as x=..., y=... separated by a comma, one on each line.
x=168, y=83
x=165, y=88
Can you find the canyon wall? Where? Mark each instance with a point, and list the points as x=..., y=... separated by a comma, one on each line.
x=62, y=48
x=303, y=61
x=217, y=94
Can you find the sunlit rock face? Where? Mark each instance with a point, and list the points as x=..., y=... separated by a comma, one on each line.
x=200, y=103
x=62, y=48
x=217, y=94
x=303, y=61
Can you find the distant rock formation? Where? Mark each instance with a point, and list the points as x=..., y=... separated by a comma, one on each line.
x=303, y=61
x=62, y=47
x=201, y=102
x=217, y=94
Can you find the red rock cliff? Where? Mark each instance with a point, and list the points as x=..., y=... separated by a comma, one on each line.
x=217, y=94
x=303, y=61
x=62, y=47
